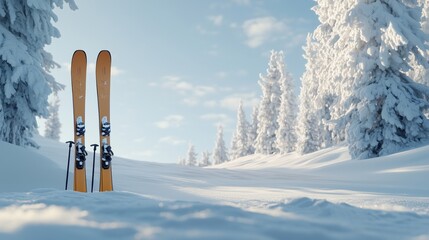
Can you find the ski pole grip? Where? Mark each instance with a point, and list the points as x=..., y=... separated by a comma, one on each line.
x=94, y=146
x=70, y=143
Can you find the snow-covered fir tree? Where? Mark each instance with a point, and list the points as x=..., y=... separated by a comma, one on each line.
x=253, y=130
x=191, y=159
x=205, y=159
x=25, y=83
x=53, y=124
x=385, y=107
x=420, y=73
x=182, y=161
x=327, y=70
x=285, y=134
x=240, y=139
x=268, y=107
x=424, y=4
x=220, y=153
x=308, y=130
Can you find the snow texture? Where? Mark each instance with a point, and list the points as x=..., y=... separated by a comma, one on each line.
x=314, y=196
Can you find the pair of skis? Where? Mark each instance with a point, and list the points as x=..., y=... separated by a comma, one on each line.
x=78, y=79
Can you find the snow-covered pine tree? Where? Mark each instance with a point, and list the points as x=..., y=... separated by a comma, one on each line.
x=385, y=107
x=420, y=73
x=25, y=84
x=182, y=161
x=327, y=71
x=424, y=4
x=240, y=139
x=220, y=153
x=268, y=108
x=285, y=134
x=308, y=130
x=205, y=159
x=53, y=124
x=253, y=130
x=191, y=159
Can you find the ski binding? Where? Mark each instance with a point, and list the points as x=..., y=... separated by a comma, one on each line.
x=80, y=127
x=80, y=155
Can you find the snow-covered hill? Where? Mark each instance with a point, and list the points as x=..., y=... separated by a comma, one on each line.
x=323, y=195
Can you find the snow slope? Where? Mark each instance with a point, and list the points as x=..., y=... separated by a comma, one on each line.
x=323, y=195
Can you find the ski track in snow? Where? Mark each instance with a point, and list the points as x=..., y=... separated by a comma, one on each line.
x=322, y=195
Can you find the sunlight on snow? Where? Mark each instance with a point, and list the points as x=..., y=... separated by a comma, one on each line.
x=13, y=218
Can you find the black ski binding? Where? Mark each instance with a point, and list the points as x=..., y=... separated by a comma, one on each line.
x=106, y=156
x=80, y=156
x=105, y=127
x=80, y=127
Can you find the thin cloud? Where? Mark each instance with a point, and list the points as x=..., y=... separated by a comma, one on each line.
x=115, y=71
x=260, y=30
x=216, y=20
x=231, y=102
x=172, y=140
x=204, y=31
x=241, y=2
x=217, y=119
x=172, y=121
x=186, y=88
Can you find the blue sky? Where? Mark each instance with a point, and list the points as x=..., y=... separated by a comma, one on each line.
x=179, y=67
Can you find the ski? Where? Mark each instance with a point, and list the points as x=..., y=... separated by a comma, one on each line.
x=103, y=93
x=78, y=82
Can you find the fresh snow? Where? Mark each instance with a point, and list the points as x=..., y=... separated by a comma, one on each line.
x=322, y=195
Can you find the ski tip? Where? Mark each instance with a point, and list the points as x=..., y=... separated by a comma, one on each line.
x=104, y=52
x=79, y=53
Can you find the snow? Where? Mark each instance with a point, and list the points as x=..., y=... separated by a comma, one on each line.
x=322, y=195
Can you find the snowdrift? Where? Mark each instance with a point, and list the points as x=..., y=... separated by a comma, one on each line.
x=323, y=195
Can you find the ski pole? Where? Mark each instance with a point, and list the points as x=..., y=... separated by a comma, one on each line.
x=68, y=163
x=93, y=166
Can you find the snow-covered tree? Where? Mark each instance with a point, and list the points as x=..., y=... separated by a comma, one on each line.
x=384, y=106
x=25, y=83
x=420, y=73
x=205, y=159
x=424, y=4
x=326, y=73
x=308, y=130
x=191, y=159
x=240, y=139
x=220, y=153
x=285, y=134
x=269, y=107
x=53, y=124
x=253, y=130
x=182, y=161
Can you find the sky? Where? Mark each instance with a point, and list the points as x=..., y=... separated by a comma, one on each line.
x=179, y=68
